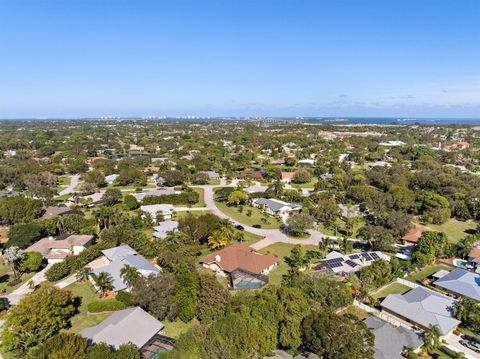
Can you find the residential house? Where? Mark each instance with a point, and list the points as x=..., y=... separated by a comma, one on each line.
x=132, y=325
x=154, y=193
x=255, y=189
x=392, y=143
x=474, y=259
x=91, y=200
x=461, y=283
x=276, y=207
x=422, y=307
x=369, y=165
x=165, y=210
x=413, y=235
x=306, y=162
x=342, y=264
x=287, y=177
x=391, y=342
x=56, y=250
x=54, y=211
x=120, y=256
x=212, y=175
x=253, y=174
x=111, y=178
x=245, y=268
x=165, y=228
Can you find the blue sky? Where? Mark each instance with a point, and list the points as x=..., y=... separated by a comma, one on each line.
x=74, y=58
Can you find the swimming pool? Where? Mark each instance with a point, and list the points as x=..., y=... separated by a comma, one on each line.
x=460, y=263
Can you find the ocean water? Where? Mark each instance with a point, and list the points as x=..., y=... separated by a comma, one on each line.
x=393, y=121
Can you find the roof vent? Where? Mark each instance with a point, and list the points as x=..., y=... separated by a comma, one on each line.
x=218, y=258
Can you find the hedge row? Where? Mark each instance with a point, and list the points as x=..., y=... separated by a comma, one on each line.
x=72, y=264
x=188, y=197
x=107, y=305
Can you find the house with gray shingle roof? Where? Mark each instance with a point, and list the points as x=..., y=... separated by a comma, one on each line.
x=422, y=307
x=119, y=257
x=129, y=325
x=276, y=207
x=164, y=228
x=461, y=282
x=390, y=341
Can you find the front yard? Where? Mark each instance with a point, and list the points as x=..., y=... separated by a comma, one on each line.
x=255, y=217
x=6, y=276
x=83, y=319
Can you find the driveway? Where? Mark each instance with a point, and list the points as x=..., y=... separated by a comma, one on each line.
x=20, y=292
x=453, y=343
x=74, y=180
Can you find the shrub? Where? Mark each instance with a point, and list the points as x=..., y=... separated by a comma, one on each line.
x=125, y=298
x=188, y=197
x=108, y=305
x=31, y=262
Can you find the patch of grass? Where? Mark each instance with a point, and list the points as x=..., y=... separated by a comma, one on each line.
x=341, y=228
x=281, y=250
x=177, y=328
x=255, y=218
x=426, y=272
x=83, y=319
x=356, y=311
x=201, y=195
x=455, y=230
x=5, y=279
x=310, y=184
x=394, y=288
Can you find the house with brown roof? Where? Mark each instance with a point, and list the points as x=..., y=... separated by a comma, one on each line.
x=56, y=250
x=245, y=268
x=411, y=238
x=287, y=177
x=59, y=211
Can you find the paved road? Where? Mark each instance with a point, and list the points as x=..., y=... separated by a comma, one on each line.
x=74, y=180
x=17, y=294
x=453, y=343
x=270, y=236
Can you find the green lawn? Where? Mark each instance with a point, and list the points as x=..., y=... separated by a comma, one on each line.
x=341, y=228
x=83, y=318
x=255, y=218
x=426, y=272
x=64, y=181
x=356, y=311
x=201, y=201
x=310, y=184
x=176, y=328
x=394, y=288
x=6, y=276
x=281, y=250
x=454, y=229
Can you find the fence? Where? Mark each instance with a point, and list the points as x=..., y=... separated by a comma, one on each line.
x=407, y=283
x=380, y=314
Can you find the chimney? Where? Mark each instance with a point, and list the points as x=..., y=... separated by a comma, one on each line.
x=218, y=258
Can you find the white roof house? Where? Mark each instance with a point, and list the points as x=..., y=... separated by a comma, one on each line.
x=129, y=325
x=164, y=228
x=392, y=143
x=119, y=257
x=154, y=193
x=166, y=210
x=306, y=162
x=111, y=178
x=277, y=207
x=423, y=307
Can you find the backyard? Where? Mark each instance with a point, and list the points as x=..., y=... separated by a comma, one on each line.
x=454, y=229
x=255, y=217
x=281, y=250
x=426, y=272
x=340, y=223
x=394, y=288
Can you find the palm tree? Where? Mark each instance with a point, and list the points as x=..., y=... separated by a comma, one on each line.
x=432, y=336
x=129, y=274
x=104, y=282
x=217, y=240
x=84, y=272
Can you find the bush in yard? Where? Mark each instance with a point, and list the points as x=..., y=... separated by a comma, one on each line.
x=63, y=345
x=107, y=305
x=124, y=297
x=130, y=203
x=31, y=262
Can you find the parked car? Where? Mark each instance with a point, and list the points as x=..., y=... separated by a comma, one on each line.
x=471, y=345
x=470, y=338
x=257, y=226
x=240, y=227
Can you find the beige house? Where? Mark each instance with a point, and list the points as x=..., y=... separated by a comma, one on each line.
x=56, y=250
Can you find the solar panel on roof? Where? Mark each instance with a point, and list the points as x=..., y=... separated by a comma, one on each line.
x=334, y=263
x=367, y=257
x=354, y=256
x=351, y=263
x=374, y=256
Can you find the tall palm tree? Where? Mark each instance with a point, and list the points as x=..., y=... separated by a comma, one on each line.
x=104, y=282
x=84, y=272
x=129, y=274
x=432, y=336
x=217, y=240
